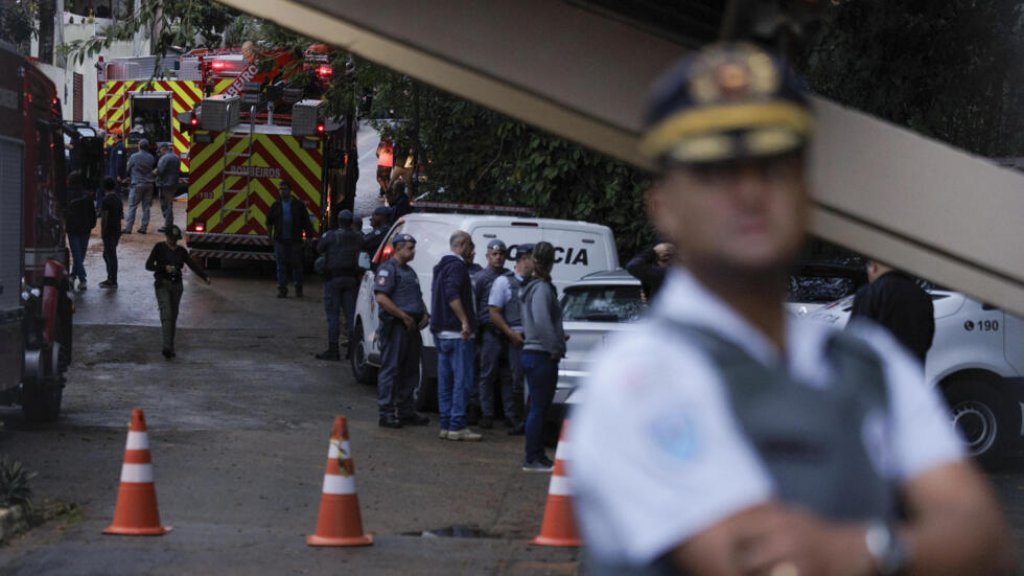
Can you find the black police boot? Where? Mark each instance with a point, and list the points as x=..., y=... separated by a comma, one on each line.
x=298, y=291
x=332, y=353
x=414, y=419
x=389, y=422
x=282, y=292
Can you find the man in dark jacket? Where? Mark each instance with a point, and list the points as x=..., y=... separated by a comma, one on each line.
x=341, y=273
x=650, y=266
x=380, y=220
x=894, y=300
x=117, y=160
x=287, y=219
x=399, y=201
x=454, y=324
x=81, y=219
x=111, y=214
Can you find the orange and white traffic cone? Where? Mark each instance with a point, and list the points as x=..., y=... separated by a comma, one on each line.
x=136, y=512
x=559, y=525
x=340, y=523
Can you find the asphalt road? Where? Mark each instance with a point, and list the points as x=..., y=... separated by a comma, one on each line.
x=238, y=426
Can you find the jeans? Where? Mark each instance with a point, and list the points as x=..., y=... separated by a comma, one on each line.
x=289, y=262
x=167, y=204
x=168, y=298
x=110, y=256
x=454, y=380
x=139, y=194
x=542, y=378
x=340, y=293
x=399, y=370
x=495, y=374
x=78, y=243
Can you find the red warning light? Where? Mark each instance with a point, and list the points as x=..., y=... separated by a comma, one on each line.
x=320, y=128
x=218, y=65
x=324, y=71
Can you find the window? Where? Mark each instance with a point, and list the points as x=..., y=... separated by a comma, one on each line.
x=602, y=304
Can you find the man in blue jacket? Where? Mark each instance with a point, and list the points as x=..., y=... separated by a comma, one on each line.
x=453, y=324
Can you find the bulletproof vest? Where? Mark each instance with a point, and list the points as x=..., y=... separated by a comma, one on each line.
x=482, y=282
x=810, y=440
x=513, y=310
x=343, y=252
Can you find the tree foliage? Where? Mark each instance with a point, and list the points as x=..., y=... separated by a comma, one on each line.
x=17, y=22
x=948, y=69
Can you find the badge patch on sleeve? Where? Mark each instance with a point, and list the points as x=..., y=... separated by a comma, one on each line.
x=382, y=277
x=675, y=434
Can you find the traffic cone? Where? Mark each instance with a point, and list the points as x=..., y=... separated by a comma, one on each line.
x=559, y=525
x=136, y=512
x=340, y=523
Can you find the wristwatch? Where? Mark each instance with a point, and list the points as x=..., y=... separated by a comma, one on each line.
x=887, y=548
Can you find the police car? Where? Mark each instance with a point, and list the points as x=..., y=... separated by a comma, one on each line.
x=594, y=308
x=580, y=247
x=977, y=359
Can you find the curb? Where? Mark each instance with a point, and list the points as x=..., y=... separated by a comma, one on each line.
x=13, y=521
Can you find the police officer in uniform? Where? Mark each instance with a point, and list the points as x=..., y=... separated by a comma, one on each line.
x=724, y=436
x=504, y=308
x=493, y=345
x=403, y=314
x=380, y=220
x=340, y=248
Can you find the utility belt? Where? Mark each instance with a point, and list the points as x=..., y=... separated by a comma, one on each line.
x=389, y=322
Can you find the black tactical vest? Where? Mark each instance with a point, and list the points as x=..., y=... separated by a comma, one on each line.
x=343, y=252
x=482, y=282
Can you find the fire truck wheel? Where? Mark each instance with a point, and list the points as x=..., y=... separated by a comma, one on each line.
x=42, y=389
x=362, y=370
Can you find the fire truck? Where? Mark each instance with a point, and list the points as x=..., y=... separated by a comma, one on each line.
x=247, y=143
x=35, y=304
x=139, y=99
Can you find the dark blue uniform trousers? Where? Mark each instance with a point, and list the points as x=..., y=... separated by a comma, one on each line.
x=340, y=293
x=399, y=371
x=495, y=371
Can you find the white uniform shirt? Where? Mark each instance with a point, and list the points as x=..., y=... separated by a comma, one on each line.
x=657, y=455
x=501, y=293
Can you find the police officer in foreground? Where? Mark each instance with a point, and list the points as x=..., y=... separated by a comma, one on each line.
x=340, y=249
x=505, y=308
x=723, y=436
x=493, y=351
x=403, y=314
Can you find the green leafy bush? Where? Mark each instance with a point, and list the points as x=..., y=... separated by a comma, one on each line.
x=14, y=483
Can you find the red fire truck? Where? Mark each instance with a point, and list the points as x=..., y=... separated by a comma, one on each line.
x=35, y=305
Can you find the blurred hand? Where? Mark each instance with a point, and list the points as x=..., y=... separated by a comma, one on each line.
x=410, y=324
x=516, y=339
x=466, y=332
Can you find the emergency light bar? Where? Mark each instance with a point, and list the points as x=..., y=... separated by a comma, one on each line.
x=485, y=208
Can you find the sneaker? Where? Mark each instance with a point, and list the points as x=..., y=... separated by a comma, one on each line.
x=486, y=422
x=389, y=422
x=82, y=284
x=108, y=284
x=414, y=420
x=543, y=466
x=464, y=435
x=162, y=230
x=126, y=231
x=443, y=434
x=142, y=230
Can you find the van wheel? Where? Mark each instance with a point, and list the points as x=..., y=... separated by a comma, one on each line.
x=425, y=394
x=362, y=370
x=977, y=415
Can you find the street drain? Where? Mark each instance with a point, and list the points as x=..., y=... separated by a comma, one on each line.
x=453, y=532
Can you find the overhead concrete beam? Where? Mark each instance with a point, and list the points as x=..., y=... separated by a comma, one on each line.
x=878, y=189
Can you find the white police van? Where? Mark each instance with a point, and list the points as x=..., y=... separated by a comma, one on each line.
x=580, y=247
x=977, y=360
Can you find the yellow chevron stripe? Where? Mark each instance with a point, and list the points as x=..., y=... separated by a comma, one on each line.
x=282, y=161
x=221, y=85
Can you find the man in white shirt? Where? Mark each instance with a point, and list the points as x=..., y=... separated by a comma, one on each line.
x=723, y=436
